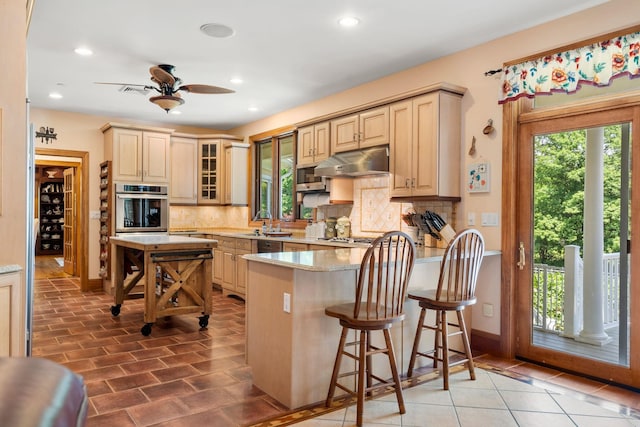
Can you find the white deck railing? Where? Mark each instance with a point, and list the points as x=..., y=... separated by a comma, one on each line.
x=557, y=294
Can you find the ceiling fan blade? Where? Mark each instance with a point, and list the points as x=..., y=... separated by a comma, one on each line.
x=161, y=74
x=123, y=84
x=205, y=89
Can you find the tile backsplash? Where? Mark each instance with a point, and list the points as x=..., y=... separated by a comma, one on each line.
x=186, y=217
x=371, y=214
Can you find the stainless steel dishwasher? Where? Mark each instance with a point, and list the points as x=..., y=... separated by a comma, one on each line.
x=265, y=245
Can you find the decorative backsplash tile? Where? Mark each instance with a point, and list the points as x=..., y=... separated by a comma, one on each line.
x=371, y=214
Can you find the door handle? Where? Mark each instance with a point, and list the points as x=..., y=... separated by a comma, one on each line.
x=521, y=263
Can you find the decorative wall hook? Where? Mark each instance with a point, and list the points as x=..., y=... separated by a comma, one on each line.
x=46, y=135
x=488, y=128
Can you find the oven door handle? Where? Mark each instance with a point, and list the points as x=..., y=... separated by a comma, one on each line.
x=142, y=196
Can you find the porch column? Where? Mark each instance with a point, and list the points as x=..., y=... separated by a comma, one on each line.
x=593, y=313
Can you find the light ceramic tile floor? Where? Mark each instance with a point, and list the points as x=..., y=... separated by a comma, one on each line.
x=491, y=400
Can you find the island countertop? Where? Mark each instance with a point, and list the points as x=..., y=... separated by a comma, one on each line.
x=337, y=259
x=154, y=241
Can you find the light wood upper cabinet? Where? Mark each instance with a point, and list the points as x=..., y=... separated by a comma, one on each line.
x=236, y=156
x=366, y=129
x=183, y=188
x=313, y=143
x=222, y=171
x=425, y=146
x=210, y=171
x=138, y=155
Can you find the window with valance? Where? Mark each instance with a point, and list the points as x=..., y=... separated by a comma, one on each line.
x=595, y=64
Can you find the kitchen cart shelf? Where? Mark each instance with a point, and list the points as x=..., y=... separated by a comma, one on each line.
x=51, y=217
x=105, y=219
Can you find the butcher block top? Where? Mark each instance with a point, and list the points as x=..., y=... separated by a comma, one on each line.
x=162, y=241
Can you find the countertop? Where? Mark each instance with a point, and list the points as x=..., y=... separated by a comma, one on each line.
x=158, y=239
x=338, y=259
x=297, y=236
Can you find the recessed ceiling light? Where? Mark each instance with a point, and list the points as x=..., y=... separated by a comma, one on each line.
x=236, y=80
x=176, y=112
x=55, y=95
x=218, y=31
x=348, y=21
x=253, y=109
x=83, y=51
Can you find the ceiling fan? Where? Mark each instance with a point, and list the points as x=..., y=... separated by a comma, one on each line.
x=168, y=85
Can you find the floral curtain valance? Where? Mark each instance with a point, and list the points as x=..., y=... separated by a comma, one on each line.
x=595, y=64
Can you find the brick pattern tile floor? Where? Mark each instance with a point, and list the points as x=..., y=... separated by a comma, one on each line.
x=178, y=376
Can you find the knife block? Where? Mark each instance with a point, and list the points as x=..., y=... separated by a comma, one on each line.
x=446, y=235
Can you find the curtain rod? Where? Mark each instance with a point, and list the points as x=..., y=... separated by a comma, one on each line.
x=492, y=72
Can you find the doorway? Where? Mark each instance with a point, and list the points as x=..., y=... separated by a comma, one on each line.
x=70, y=258
x=573, y=267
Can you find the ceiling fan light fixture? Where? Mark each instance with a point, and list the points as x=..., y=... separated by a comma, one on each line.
x=218, y=31
x=167, y=102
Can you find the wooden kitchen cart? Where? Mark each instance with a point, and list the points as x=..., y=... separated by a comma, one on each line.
x=173, y=272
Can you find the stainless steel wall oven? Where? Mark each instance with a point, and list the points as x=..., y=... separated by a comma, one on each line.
x=141, y=208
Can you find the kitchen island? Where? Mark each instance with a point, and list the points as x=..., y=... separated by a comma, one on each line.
x=174, y=273
x=291, y=343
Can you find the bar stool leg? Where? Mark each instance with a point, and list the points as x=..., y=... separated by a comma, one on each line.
x=437, y=341
x=362, y=360
x=394, y=371
x=369, y=363
x=336, y=367
x=416, y=342
x=445, y=348
x=467, y=346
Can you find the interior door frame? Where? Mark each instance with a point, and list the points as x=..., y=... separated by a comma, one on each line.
x=515, y=115
x=82, y=225
x=70, y=267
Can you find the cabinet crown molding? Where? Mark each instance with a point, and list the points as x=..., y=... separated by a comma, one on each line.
x=441, y=86
x=110, y=125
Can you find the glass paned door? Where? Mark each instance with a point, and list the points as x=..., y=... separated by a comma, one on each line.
x=575, y=280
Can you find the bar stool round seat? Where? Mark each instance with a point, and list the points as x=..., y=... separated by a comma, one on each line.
x=379, y=303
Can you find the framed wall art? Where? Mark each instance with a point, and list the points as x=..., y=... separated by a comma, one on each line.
x=479, y=178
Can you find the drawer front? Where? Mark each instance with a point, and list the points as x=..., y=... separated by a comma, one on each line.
x=244, y=244
x=225, y=242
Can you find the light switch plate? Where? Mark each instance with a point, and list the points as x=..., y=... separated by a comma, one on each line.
x=489, y=219
x=471, y=218
x=286, y=304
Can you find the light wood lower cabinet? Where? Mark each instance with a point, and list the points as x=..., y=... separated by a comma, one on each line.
x=298, y=247
x=229, y=268
x=12, y=331
x=294, y=247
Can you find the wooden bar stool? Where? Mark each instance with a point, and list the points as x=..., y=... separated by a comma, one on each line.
x=379, y=302
x=456, y=290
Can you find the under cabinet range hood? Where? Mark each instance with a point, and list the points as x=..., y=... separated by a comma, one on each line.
x=368, y=161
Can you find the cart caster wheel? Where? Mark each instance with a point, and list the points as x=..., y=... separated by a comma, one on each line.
x=204, y=321
x=146, y=329
x=115, y=310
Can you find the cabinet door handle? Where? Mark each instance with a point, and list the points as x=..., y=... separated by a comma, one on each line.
x=406, y=183
x=413, y=183
x=522, y=261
